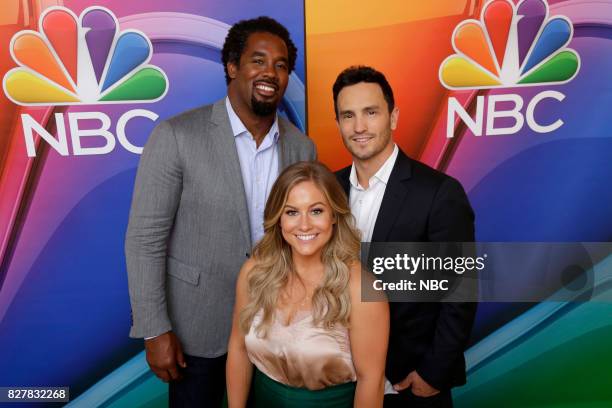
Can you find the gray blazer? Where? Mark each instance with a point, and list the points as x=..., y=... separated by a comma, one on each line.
x=188, y=232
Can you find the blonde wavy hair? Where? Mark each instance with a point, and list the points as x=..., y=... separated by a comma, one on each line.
x=273, y=268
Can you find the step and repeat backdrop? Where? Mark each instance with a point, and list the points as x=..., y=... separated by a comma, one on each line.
x=511, y=98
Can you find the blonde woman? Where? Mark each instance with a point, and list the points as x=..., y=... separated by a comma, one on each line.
x=300, y=331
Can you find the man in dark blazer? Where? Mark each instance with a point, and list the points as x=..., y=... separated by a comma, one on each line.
x=197, y=210
x=397, y=199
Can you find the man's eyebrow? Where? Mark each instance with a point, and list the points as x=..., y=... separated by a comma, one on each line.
x=372, y=107
x=365, y=108
x=263, y=54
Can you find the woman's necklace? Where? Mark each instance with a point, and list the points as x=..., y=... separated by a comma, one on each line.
x=306, y=299
x=302, y=301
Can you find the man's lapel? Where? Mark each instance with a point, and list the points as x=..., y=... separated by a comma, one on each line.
x=224, y=138
x=344, y=179
x=393, y=199
x=285, y=147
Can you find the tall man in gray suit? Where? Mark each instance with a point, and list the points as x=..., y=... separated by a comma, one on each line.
x=197, y=210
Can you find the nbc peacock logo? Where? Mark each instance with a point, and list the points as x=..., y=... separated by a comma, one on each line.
x=82, y=60
x=511, y=45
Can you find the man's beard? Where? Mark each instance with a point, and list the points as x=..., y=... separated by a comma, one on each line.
x=262, y=108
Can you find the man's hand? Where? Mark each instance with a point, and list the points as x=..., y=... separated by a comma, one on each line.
x=420, y=388
x=164, y=353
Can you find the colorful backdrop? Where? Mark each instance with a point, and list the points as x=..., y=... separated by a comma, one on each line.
x=64, y=308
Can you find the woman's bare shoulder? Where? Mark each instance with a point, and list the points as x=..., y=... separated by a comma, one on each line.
x=245, y=270
x=361, y=279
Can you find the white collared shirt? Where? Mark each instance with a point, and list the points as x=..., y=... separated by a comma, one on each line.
x=365, y=203
x=259, y=167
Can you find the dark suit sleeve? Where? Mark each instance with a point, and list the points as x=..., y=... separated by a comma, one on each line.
x=157, y=193
x=451, y=220
x=451, y=216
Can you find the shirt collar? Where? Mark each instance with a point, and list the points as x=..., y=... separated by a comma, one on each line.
x=238, y=127
x=381, y=175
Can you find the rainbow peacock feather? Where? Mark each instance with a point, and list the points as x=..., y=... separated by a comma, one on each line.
x=82, y=60
x=511, y=45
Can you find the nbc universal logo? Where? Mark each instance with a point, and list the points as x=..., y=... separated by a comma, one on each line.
x=511, y=46
x=82, y=60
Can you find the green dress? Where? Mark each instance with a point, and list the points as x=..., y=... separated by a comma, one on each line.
x=268, y=393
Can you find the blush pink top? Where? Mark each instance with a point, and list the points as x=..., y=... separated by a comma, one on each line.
x=301, y=354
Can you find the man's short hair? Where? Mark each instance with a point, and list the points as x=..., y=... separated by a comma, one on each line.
x=238, y=35
x=360, y=73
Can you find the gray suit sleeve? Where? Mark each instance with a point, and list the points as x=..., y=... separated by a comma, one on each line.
x=313, y=151
x=157, y=193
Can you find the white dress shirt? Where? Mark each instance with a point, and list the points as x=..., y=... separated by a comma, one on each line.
x=365, y=202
